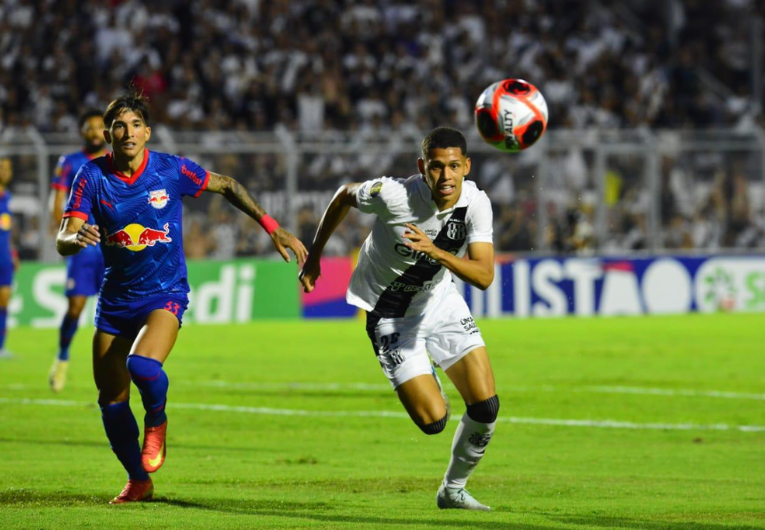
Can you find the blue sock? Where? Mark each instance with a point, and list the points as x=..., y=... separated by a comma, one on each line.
x=66, y=333
x=122, y=431
x=3, y=320
x=151, y=380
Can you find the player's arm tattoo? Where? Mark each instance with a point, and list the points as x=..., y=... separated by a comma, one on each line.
x=236, y=194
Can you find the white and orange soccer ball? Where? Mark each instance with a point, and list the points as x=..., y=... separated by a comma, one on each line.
x=511, y=115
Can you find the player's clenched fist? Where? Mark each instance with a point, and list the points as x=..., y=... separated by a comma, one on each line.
x=310, y=273
x=419, y=240
x=88, y=235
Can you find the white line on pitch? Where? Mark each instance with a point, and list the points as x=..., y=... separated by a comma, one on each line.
x=266, y=411
x=371, y=387
x=671, y=392
x=543, y=388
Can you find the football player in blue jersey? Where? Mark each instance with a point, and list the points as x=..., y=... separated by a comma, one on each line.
x=9, y=262
x=84, y=270
x=135, y=197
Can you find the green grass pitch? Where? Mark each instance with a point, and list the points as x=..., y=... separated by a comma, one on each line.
x=284, y=425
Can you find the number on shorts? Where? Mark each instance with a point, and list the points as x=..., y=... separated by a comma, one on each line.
x=388, y=341
x=389, y=350
x=173, y=307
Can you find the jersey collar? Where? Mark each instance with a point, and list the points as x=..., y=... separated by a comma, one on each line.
x=124, y=178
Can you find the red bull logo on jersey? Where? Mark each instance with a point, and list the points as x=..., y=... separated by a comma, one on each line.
x=158, y=199
x=135, y=237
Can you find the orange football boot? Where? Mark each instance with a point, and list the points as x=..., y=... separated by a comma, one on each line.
x=135, y=491
x=154, y=448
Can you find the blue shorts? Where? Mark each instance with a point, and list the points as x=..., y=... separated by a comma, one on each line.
x=6, y=274
x=125, y=319
x=84, y=272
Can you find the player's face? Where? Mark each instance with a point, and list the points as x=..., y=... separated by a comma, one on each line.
x=444, y=171
x=92, y=133
x=128, y=134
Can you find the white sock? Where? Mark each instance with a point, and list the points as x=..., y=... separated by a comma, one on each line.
x=469, y=444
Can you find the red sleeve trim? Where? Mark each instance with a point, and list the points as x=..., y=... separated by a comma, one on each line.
x=57, y=186
x=78, y=215
x=204, y=185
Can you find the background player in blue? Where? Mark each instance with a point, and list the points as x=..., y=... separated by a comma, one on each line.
x=84, y=270
x=135, y=196
x=8, y=260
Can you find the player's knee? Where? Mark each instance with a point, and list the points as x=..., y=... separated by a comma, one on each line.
x=484, y=411
x=107, y=398
x=142, y=368
x=434, y=427
x=76, y=305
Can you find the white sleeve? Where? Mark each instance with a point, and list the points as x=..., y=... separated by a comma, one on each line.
x=480, y=220
x=373, y=195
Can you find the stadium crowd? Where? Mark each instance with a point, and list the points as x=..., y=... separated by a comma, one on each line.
x=313, y=67
x=345, y=64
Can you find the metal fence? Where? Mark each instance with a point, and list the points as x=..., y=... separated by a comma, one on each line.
x=576, y=192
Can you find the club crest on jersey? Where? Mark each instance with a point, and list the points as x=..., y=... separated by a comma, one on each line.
x=456, y=231
x=158, y=198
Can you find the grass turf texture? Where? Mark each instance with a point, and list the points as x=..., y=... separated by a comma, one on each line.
x=243, y=468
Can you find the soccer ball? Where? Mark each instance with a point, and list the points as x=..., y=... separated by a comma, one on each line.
x=511, y=115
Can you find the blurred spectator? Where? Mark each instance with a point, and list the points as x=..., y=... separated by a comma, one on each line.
x=304, y=63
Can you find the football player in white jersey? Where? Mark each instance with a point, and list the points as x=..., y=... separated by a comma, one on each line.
x=425, y=224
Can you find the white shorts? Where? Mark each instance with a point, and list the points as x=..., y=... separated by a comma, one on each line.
x=447, y=331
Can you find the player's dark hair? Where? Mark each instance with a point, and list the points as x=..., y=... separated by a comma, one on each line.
x=85, y=116
x=443, y=138
x=134, y=102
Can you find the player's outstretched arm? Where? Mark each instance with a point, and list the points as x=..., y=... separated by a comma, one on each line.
x=477, y=270
x=237, y=195
x=334, y=214
x=75, y=234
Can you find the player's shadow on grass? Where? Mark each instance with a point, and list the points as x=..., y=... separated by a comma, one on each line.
x=22, y=496
x=605, y=521
x=297, y=510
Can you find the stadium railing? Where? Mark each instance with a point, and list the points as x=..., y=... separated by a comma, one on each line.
x=578, y=192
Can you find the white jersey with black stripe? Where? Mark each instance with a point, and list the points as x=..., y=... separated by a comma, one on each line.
x=392, y=280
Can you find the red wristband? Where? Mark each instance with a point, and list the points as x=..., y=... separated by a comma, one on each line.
x=268, y=224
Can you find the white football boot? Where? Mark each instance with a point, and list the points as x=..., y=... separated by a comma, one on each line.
x=57, y=375
x=458, y=498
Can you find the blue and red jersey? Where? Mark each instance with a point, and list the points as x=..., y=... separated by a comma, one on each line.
x=5, y=229
x=140, y=221
x=66, y=168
